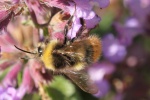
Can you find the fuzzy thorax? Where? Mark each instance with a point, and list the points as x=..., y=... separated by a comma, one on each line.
x=47, y=55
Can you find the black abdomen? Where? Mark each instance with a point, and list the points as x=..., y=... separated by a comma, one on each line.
x=61, y=61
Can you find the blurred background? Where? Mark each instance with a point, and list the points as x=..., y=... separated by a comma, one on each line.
x=124, y=30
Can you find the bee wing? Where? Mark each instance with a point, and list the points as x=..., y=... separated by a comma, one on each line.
x=81, y=78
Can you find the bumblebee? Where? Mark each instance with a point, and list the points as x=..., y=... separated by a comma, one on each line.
x=71, y=58
x=75, y=56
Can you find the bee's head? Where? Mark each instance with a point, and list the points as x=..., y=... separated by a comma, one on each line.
x=38, y=53
x=34, y=53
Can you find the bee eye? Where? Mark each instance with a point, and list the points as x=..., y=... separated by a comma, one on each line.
x=40, y=51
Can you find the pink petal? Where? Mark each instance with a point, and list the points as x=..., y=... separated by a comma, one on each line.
x=26, y=85
x=10, y=78
x=40, y=15
x=5, y=17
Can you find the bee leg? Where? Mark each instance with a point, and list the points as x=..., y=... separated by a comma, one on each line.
x=66, y=28
x=72, y=40
x=83, y=27
x=69, y=24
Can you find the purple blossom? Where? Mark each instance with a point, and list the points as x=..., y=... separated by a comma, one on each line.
x=100, y=3
x=99, y=70
x=72, y=32
x=141, y=10
x=128, y=31
x=80, y=9
x=8, y=93
x=92, y=22
x=103, y=87
x=97, y=73
x=113, y=50
x=85, y=12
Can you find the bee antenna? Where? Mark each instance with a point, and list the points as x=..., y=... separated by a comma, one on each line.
x=24, y=50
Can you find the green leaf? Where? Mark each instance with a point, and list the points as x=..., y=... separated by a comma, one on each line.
x=19, y=78
x=106, y=21
x=146, y=42
x=62, y=89
x=45, y=30
x=4, y=73
x=34, y=96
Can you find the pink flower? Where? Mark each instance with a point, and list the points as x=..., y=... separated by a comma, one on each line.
x=5, y=17
x=10, y=78
x=10, y=59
